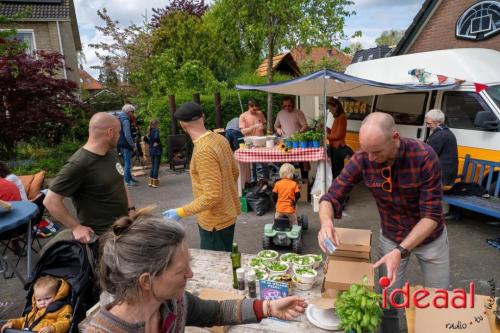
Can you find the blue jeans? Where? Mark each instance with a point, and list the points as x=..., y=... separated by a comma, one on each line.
x=155, y=166
x=127, y=160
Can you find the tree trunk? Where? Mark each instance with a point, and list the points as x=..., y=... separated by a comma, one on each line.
x=270, y=80
x=172, y=108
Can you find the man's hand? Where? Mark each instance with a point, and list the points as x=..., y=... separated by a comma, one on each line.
x=391, y=261
x=286, y=308
x=83, y=234
x=131, y=213
x=258, y=126
x=171, y=214
x=46, y=329
x=327, y=231
x=4, y=327
x=279, y=131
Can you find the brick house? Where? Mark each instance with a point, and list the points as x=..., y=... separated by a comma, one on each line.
x=50, y=25
x=317, y=54
x=451, y=24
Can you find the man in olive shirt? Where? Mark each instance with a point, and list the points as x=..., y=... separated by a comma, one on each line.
x=93, y=178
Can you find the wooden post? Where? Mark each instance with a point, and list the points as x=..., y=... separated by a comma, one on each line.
x=172, y=108
x=196, y=98
x=218, y=110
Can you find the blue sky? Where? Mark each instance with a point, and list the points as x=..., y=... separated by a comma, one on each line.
x=373, y=17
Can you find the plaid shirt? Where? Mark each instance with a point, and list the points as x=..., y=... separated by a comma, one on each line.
x=416, y=189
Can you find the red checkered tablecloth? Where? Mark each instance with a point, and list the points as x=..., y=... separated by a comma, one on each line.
x=251, y=155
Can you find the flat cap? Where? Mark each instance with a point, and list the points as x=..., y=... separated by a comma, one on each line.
x=189, y=111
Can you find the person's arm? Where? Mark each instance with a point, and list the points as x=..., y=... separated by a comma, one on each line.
x=55, y=205
x=436, y=142
x=207, y=313
x=330, y=206
x=430, y=214
x=66, y=183
x=131, y=208
x=211, y=178
x=246, y=129
x=127, y=133
x=302, y=121
x=277, y=124
x=63, y=320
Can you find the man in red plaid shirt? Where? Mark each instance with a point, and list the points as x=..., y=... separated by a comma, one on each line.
x=404, y=177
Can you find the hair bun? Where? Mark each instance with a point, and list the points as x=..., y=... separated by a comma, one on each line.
x=121, y=225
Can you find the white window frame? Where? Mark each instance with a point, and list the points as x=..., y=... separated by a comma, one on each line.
x=25, y=31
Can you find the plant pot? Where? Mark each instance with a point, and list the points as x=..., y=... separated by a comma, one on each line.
x=289, y=144
x=316, y=144
x=303, y=144
x=295, y=144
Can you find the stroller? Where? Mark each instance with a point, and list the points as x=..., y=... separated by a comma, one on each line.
x=73, y=262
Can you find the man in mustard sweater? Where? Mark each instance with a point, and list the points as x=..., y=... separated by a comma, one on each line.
x=214, y=175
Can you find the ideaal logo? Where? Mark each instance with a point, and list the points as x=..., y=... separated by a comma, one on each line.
x=441, y=299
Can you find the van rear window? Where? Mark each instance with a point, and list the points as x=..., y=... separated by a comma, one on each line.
x=406, y=108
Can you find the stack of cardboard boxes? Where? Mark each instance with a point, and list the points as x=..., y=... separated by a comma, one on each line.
x=348, y=265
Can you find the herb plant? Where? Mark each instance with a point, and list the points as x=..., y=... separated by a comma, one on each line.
x=359, y=308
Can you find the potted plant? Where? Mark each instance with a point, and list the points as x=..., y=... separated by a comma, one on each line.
x=316, y=137
x=302, y=138
x=359, y=308
x=294, y=141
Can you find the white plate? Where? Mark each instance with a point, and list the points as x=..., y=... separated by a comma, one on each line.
x=325, y=319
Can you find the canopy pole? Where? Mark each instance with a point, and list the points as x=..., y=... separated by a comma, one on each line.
x=241, y=104
x=324, y=131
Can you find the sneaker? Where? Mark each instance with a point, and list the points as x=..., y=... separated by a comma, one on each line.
x=129, y=184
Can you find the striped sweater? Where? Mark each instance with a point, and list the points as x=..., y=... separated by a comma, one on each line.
x=214, y=175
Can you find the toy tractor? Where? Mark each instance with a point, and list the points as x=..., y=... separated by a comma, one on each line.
x=283, y=233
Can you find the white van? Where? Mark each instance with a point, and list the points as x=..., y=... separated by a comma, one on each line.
x=474, y=118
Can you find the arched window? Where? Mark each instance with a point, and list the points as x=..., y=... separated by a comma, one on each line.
x=480, y=21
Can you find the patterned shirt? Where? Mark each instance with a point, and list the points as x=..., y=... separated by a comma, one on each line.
x=416, y=189
x=214, y=175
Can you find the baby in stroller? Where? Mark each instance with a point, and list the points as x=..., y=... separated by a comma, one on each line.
x=286, y=193
x=50, y=312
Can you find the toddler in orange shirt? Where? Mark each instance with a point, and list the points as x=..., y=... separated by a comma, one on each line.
x=286, y=193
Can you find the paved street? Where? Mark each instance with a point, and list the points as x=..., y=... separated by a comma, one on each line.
x=471, y=258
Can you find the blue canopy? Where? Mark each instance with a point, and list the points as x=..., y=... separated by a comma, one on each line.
x=331, y=83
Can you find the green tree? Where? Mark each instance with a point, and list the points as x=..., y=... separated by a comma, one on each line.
x=390, y=37
x=274, y=25
x=353, y=48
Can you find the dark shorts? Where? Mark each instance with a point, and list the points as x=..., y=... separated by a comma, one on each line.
x=221, y=240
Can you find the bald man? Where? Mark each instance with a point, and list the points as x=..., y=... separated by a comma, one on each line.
x=93, y=178
x=404, y=177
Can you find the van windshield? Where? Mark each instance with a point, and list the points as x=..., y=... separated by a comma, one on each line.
x=494, y=92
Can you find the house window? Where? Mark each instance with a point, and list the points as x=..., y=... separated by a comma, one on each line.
x=480, y=21
x=27, y=37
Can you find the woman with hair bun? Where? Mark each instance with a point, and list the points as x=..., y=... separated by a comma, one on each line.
x=145, y=266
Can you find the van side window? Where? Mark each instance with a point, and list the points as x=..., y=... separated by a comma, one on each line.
x=461, y=108
x=356, y=108
x=406, y=108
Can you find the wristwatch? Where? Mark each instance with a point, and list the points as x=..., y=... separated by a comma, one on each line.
x=404, y=252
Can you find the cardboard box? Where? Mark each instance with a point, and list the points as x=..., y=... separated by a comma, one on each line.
x=341, y=274
x=444, y=320
x=218, y=295
x=358, y=240
x=349, y=259
x=351, y=254
x=304, y=190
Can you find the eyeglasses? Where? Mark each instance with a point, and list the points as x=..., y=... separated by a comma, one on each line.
x=387, y=184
